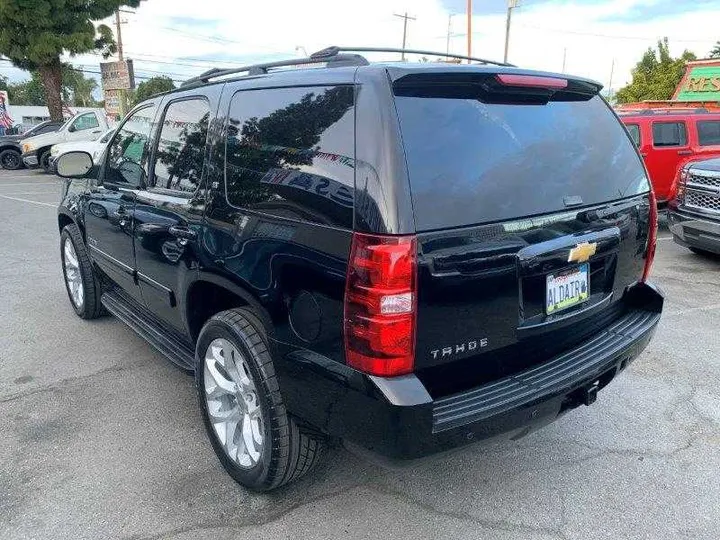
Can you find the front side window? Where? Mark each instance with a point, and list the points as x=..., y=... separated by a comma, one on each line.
x=669, y=134
x=181, y=149
x=86, y=121
x=709, y=132
x=127, y=155
x=634, y=131
x=290, y=153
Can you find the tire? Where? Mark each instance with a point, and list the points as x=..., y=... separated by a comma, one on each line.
x=44, y=161
x=10, y=159
x=286, y=451
x=71, y=242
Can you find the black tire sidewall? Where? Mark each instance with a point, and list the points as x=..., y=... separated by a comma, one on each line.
x=17, y=157
x=256, y=477
x=44, y=161
x=88, y=280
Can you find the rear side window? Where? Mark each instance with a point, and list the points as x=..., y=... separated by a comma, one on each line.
x=669, y=134
x=180, y=154
x=290, y=153
x=47, y=129
x=472, y=162
x=634, y=131
x=709, y=133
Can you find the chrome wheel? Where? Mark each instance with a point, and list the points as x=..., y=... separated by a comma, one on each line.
x=72, y=275
x=232, y=403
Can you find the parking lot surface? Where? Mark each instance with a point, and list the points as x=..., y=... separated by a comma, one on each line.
x=100, y=436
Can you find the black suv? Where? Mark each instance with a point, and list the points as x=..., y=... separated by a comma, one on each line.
x=10, y=150
x=694, y=213
x=404, y=256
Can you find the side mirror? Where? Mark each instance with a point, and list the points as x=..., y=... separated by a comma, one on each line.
x=74, y=164
x=72, y=128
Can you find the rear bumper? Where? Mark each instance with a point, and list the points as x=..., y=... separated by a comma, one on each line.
x=696, y=230
x=398, y=419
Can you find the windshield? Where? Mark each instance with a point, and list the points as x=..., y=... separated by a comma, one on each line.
x=471, y=162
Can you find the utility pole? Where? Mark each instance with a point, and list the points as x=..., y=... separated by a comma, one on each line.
x=564, y=58
x=612, y=70
x=447, y=43
x=119, y=35
x=405, y=18
x=512, y=4
x=469, y=28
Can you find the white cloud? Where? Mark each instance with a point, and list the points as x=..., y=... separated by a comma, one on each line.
x=162, y=32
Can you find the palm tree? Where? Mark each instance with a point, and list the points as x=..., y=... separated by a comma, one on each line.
x=715, y=53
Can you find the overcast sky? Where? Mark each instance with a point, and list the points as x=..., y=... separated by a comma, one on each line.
x=185, y=37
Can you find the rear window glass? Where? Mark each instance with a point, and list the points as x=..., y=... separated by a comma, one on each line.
x=708, y=133
x=669, y=134
x=471, y=162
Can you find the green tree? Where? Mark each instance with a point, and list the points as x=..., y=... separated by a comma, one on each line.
x=28, y=92
x=151, y=87
x=34, y=35
x=715, y=53
x=78, y=89
x=655, y=76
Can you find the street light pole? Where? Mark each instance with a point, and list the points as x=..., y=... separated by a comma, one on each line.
x=469, y=28
x=512, y=4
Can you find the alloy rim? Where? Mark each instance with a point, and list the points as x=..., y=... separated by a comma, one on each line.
x=232, y=403
x=10, y=161
x=72, y=275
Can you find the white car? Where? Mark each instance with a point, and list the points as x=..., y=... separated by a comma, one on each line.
x=94, y=148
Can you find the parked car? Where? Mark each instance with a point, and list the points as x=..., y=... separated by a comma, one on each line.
x=10, y=149
x=361, y=252
x=668, y=139
x=694, y=214
x=84, y=126
x=94, y=148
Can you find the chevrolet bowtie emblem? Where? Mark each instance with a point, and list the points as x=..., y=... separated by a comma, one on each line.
x=582, y=252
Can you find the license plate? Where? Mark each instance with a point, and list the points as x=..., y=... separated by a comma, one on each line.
x=566, y=289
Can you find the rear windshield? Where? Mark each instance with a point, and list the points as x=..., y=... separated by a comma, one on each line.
x=472, y=162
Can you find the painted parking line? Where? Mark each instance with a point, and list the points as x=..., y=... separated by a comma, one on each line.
x=664, y=238
x=28, y=201
x=3, y=184
x=14, y=193
x=711, y=307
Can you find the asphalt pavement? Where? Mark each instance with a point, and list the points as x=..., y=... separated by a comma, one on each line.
x=100, y=436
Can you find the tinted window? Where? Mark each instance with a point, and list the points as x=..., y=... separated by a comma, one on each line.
x=290, y=152
x=128, y=152
x=473, y=162
x=105, y=138
x=634, y=131
x=669, y=134
x=46, y=129
x=181, y=149
x=86, y=121
x=708, y=132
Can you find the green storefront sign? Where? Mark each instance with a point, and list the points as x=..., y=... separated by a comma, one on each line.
x=702, y=83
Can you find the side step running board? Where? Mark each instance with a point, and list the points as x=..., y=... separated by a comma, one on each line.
x=174, y=349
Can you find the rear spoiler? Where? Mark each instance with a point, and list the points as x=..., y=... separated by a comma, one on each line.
x=502, y=86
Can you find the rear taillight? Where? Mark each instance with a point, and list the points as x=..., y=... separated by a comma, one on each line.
x=652, y=236
x=380, y=304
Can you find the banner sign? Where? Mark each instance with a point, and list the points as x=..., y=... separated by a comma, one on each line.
x=700, y=83
x=117, y=75
x=5, y=120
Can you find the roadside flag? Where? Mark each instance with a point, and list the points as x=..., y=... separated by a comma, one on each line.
x=5, y=120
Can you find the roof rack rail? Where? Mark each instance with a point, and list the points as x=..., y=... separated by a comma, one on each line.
x=337, y=60
x=333, y=51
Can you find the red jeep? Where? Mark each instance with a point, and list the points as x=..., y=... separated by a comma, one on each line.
x=670, y=138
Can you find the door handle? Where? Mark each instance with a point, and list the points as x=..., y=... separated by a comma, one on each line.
x=184, y=234
x=684, y=152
